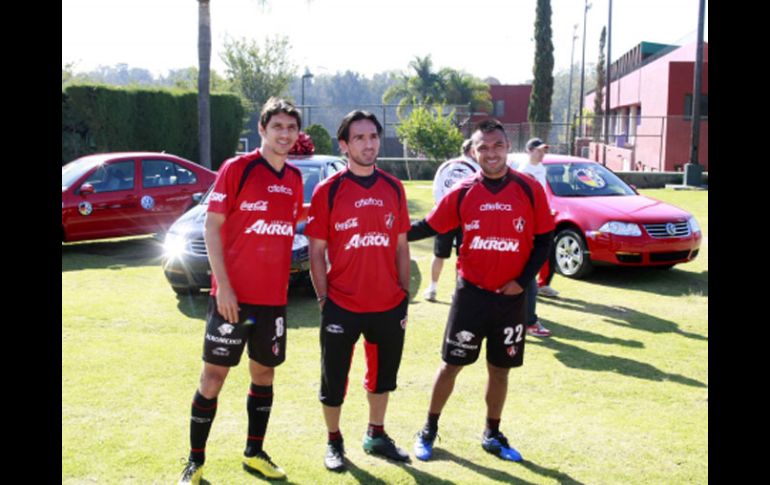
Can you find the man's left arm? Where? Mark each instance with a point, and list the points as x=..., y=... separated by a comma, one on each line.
x=402, y=261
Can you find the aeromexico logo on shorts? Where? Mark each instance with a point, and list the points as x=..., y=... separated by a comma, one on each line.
x=461, y=339
x=495, y=244
x=272, y=228
x=225, y=329
x=368, y=240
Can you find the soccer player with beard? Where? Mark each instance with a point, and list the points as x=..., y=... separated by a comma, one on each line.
x=249, y=229
x=507, y=234
x=358, y=220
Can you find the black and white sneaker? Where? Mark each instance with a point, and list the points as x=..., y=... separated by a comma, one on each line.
x=335, y=456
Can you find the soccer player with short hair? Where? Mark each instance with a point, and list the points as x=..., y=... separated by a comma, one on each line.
x=358, y=220
x=253, y=210
x=507, y=234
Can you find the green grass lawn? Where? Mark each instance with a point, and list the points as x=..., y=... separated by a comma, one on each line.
x=618, y=395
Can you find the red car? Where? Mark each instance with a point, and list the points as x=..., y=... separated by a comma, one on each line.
x=602, y=220
x=122, y=194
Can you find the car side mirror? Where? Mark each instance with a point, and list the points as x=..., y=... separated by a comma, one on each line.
x=87, y=189
x=197, y=197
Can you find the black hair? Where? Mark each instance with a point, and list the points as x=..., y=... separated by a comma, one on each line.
x=343, y=132
x=274, y=106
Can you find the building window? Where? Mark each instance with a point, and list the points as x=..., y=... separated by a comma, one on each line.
x=704, y=105
x=499, y=108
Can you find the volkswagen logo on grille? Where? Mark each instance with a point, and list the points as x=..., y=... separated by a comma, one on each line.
x=671, y=229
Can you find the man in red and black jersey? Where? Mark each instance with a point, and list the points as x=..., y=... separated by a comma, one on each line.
x=507, y=234
x=359, y=219
x=253, y=209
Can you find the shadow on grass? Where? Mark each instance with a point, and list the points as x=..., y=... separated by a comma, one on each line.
x=576, y=358
x=617, y=315
x=111, y=254
x=501, y=475
x=672, y=282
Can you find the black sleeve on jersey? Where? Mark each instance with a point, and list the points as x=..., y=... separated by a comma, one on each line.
x=540, y=251
x=420, y=230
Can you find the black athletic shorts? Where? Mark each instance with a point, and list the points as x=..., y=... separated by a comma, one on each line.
x=384, y=342
x=477, y=313
x=262, y=327
x=443, y=243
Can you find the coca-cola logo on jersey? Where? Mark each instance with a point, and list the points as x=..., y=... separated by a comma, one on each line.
x=495, y=244
x=369, y=239
x=349, y=224
x=497, y=206
x=280, y=189
x=272, y=228
x=259, y=205
x=370, y=201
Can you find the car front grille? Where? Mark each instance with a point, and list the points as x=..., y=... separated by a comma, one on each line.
x=660, y=231
x=198, y=247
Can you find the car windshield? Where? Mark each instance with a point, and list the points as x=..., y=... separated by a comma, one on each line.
x=583, y=179
x=71, y=172
x=311, y=175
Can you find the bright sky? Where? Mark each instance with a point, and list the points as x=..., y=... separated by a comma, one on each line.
x=492, y=38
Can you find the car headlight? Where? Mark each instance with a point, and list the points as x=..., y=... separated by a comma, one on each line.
x=621, y=228
x=174, y=245
x=300, y=241
x=694, y=227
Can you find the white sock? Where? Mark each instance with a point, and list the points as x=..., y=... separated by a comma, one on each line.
x=432, y=286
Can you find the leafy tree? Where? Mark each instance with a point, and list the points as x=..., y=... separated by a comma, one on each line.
x=321, y=139
x=542, y=85
x=187, y=78
x=258, y=72
x=431, y=133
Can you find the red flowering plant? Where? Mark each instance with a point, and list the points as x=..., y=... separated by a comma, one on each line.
x=303, y=145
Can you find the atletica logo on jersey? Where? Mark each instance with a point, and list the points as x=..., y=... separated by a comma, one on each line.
x=497, y=206
x=260, y=205
x=274, y=228
x=217, y=197
x=474, y=224
x=370, y=201
x=280, y=189
x=349, y=224
x=367, y=240
x=495, y=244
x=518, y=224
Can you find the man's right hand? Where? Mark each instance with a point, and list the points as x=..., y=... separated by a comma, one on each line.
x=227, y=304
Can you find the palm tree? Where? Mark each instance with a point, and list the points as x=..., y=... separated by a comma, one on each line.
x=463, y=89
x=424, y=87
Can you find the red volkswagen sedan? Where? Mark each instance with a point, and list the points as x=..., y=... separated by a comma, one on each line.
x=122, y=194
x=601, y=220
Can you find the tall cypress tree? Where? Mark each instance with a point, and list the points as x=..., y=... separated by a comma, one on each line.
x=600, y=82
x=542, y=86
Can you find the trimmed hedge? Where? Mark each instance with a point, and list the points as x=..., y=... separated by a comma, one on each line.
x=97, y=118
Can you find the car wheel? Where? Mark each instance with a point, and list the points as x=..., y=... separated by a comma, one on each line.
x=572, y=258
x=186, y=291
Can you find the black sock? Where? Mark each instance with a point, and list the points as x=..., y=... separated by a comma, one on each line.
x=432, y=424
x=376, y=430
x=335, y=436
x=493, y=427
x=258, y=405
x=201, y=417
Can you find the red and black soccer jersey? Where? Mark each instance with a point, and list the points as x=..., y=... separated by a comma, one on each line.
x=499, y=224
x=260, y=215
x=360, y=218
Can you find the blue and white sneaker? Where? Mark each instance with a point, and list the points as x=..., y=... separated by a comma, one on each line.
x=423, y=445
x=497, y=444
